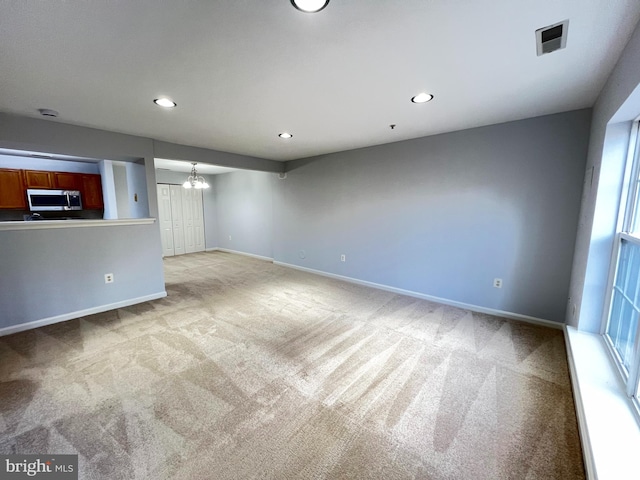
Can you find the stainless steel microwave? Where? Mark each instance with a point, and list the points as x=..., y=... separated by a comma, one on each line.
x=51, y=200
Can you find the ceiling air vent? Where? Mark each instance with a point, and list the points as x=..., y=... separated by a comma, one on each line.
x=552, y=38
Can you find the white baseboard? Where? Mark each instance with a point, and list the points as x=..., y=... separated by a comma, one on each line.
x=226, y=250
x=80, y=313
x=466, y=306
x=587, y=452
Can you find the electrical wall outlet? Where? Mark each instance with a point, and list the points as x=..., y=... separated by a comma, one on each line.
x=343, y=258
x=108, y=278
x=497, y=282
x=229, y=237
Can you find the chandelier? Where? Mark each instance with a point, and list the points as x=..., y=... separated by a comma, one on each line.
x=195, y=181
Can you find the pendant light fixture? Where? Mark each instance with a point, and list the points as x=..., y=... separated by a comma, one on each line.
x=194, y=181
x=310, y=6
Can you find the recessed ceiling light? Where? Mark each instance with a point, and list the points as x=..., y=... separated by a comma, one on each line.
x=422, y=98
x=310, y=6
x=285, y=135
x=165, y=102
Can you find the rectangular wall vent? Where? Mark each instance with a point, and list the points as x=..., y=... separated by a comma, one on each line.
x=552, y=38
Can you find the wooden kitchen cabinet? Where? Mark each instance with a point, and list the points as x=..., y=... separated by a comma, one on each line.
x=38, y=179
x=91, y=190
x=67, y=180
x=12, y=193
x=14, y=183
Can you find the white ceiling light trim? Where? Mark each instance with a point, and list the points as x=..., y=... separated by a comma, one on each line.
x=165, y=102
x=422, y=98
x=285, y=135
x=310, y=6
x=195, y=181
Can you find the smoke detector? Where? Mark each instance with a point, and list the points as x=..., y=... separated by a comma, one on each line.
x=45, y=112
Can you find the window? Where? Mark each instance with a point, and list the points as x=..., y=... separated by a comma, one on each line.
x=625, y=305
x=622, y=333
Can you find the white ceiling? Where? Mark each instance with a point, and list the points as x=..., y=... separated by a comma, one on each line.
x=242, y=71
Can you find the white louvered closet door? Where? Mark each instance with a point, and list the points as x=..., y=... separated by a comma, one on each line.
x=198, y=221
x=166, y=224
x=181, y=220
x=193, y=215
x=187, y=217
x=177, y=219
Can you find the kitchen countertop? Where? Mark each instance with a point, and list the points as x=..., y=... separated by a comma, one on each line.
x=75, y=223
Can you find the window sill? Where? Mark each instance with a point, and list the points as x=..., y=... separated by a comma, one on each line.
x=609, y=430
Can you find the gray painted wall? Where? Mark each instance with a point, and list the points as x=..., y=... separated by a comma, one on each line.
x=121, y=187
x=617, y=105
x=35, y=264
x=445, y=215
x=175, y=178
x=441, y=215
x=136, y=182
x=26, y=163
x=38, y=135
x=47, y=273
x=214, y=157
x=108, y=189
x=245, y=211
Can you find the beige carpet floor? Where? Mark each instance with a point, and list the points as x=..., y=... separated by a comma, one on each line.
x=249, y=370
